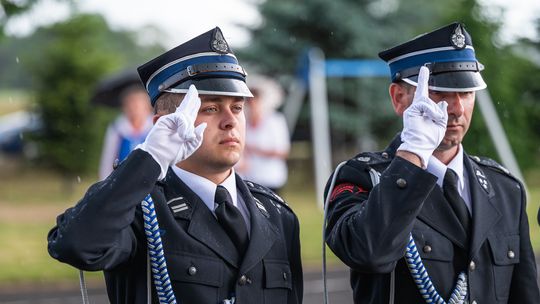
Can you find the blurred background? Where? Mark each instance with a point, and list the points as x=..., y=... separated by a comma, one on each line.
x=63, y=63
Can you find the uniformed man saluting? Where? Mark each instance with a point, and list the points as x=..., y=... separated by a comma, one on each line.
x=423, y=221
x=212, y=237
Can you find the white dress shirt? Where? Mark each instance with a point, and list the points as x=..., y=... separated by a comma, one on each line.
x=206, y=190
x=437, y=168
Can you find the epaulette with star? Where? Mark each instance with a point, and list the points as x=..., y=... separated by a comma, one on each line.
x=274, y=199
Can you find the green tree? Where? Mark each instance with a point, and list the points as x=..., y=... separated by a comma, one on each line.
x=74, y=55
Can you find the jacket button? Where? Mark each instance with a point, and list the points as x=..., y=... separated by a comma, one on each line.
x=427, y=249
x=474, y=302
x=384, y=154
x=511, y=254
x=401, y=183
x=472, y=266
x=243, y=280
x=192, y=271
x=285, y=276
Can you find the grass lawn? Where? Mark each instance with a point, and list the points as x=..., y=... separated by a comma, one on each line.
x=31, y=199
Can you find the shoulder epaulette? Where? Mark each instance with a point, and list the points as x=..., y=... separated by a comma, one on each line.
x=488, y=162
x=373, y=158
x=262, y=190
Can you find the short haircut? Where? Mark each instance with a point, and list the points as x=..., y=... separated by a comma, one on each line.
x=167, y=103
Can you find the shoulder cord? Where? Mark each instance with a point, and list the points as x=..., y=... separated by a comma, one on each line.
x=156, y=258
x=155, y=251
x=413, y=259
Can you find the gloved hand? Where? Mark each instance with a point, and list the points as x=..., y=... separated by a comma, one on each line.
x=174, y=137
x=424, y=121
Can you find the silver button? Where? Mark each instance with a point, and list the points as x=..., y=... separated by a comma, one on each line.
x=511, y=254
x=427, y=249
x=472, y=266
x=401, y=183
x=285, y=276
x=192, y=271
x=243, y=280
x=474, y=302
x=385, y=154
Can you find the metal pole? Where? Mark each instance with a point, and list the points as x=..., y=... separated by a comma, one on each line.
x=498, y=136
x=320, y=128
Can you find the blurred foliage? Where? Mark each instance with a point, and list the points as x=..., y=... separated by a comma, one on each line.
x=10, y=8
x=360, y=109
x=69, y=58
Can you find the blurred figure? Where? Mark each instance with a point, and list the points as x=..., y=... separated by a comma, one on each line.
x=128, y=130
x=267, y=136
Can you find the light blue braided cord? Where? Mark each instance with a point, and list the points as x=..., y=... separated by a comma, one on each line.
x=423, y=281
x=155, y=251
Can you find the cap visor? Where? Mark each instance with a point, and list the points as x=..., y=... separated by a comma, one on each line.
x=214, y=86
x=453, y=82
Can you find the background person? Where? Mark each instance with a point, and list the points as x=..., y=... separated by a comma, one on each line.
x=267, y=135
x=466, y=214
x=128, y=130
x=224, y=240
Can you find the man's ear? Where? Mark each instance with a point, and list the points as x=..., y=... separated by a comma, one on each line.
x=155, y=118
x=401, y=96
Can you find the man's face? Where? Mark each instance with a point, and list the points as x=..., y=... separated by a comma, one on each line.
x=223, y=140
x=460, y=110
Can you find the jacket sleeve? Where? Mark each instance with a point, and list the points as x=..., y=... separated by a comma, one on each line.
x=296, y=266
x=524, y=286
x=97, y=233
x=368, y=226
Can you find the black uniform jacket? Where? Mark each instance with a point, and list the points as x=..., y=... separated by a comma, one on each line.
x=368, y=229
x=104, y=231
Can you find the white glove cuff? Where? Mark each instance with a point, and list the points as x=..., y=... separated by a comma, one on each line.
x=423, y=153
x=164, y=167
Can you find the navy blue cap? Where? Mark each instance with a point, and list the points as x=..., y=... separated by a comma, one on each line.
x=205, y=61
x=448, y=53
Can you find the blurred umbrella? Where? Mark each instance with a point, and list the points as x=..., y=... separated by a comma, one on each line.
x=109, y=90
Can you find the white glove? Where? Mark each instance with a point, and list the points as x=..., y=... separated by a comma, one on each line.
x=174, y=137
x=424, y=121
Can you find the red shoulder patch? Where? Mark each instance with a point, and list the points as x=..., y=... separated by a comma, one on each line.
x=346, y=187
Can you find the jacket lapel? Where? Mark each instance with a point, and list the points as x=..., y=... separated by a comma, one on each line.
x=485, y=213
x=203, y=225
x=438, y=214
x=263, y=232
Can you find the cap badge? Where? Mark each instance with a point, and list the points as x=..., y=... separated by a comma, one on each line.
x=218, y=43
x=458, y=39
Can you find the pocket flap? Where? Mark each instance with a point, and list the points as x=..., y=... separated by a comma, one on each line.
x=277, y=274
x=185, y=267
x=433, y=246
x=505, y=249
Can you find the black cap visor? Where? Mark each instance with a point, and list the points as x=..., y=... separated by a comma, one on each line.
x=461, y=81
x=214, y=86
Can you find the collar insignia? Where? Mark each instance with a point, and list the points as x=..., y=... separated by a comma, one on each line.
x=261, y=208
x=458, y=39
x=180, y=207
x=482, y=180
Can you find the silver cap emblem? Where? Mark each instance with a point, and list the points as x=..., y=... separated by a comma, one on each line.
x=458, y=39
x=218, y=43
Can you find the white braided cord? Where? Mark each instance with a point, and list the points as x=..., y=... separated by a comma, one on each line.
x=423, y=281
x=155, y=251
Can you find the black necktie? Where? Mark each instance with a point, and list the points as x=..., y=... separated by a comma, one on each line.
x=231, y=219
x=456, y=201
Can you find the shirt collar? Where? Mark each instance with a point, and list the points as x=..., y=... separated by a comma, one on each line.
x=437, y=168
x=205, y=188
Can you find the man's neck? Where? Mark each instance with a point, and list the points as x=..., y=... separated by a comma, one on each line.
x=215, y=176
x=446, y=156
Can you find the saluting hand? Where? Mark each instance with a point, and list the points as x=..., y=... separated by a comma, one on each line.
x=424, y=121
x=174, y=137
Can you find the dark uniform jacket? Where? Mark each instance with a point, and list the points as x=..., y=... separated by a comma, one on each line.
x=104, y=231
x=368, y=229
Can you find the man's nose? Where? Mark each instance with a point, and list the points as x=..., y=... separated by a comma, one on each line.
x=455, y=104
x=228, y=119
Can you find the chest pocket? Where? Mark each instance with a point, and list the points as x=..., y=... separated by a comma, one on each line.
x=277, y=281
x=433, y=246
x=505, y=250
x=187, y=268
